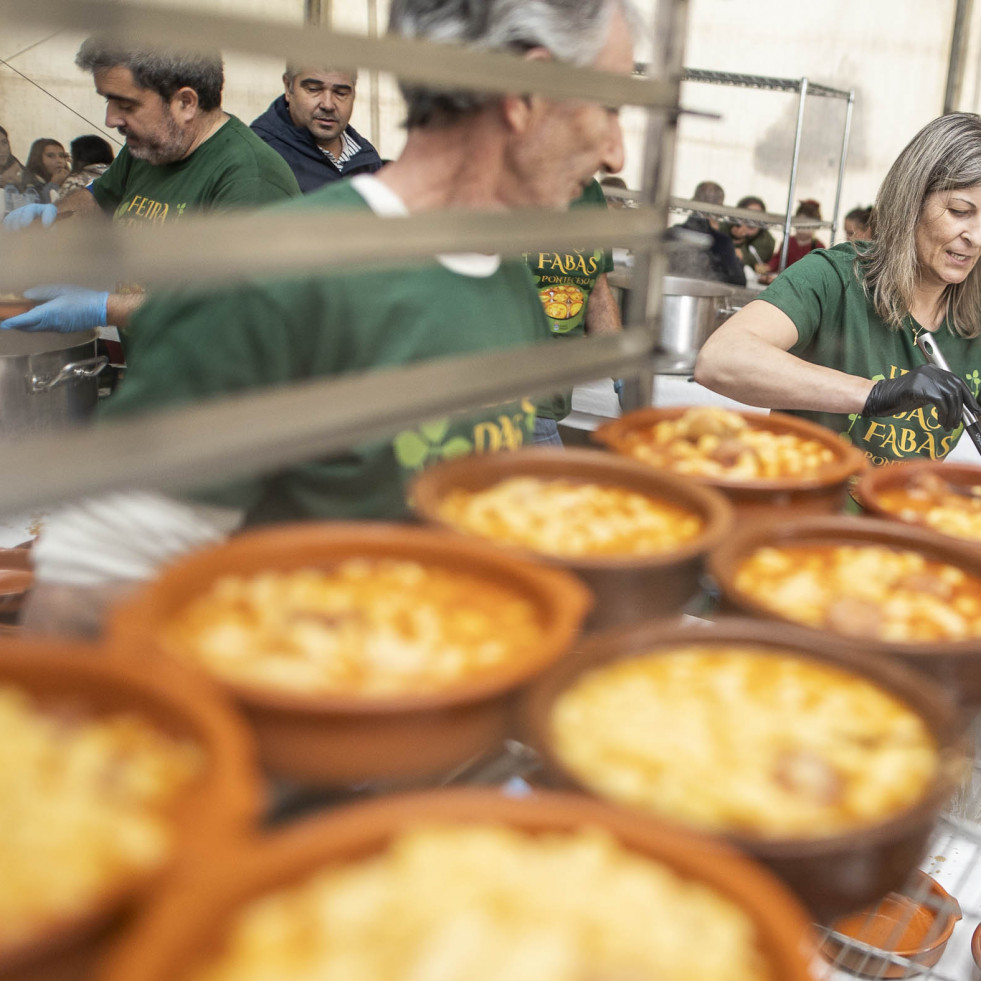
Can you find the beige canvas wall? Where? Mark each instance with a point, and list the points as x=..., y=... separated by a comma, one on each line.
x=887, y=50
x=43, y=94
x=892, y=54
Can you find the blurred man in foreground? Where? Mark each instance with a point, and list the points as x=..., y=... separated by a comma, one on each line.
x=464, y=150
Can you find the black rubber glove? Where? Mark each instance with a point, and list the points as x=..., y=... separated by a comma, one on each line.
x=924, y=385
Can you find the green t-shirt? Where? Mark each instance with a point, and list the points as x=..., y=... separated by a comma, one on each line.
x=838, y=327
x=188, y=348
x=232, y=168
x=565, y=281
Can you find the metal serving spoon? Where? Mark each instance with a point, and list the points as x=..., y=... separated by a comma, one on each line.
x=928, y=345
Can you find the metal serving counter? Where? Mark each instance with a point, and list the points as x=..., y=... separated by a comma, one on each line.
x=691, y=309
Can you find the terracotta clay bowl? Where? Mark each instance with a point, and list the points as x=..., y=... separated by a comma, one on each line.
x=345, y=738
x=897, y=477
x=824, y=492
x=192, y=918
x=834, y=874
x=626, y=588
x=223, y=802
x=954, y=663
x=914, y=922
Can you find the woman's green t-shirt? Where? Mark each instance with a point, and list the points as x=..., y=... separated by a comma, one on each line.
x=838, y=327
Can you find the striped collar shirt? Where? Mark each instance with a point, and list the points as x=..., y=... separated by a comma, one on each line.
x=350, y=147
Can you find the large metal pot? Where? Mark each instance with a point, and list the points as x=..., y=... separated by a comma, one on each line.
x=691, y=309
x=47, y=381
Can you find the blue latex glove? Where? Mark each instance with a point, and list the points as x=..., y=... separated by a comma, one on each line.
x=69, y=308
x=23, y=216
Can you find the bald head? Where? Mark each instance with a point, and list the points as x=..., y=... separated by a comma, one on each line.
x=708, y=192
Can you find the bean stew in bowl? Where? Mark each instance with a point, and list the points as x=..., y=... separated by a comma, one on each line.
x=763, y=463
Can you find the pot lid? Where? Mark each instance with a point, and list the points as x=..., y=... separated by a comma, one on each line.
x=680, y=286
x=17, y=343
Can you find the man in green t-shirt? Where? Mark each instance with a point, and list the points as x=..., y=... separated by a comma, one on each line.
x=464, y=149
x=577, y=300
x=182, y=153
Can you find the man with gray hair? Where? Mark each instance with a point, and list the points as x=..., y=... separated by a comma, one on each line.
x=561, y=30
x=182, y=153
x=463, y=151
x=309, y=126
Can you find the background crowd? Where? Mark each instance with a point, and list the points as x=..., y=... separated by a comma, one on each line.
x=51, y=171
x=745, y=253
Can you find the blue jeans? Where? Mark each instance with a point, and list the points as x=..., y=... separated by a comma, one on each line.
x=546, y=432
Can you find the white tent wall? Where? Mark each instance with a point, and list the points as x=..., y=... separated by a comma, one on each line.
x=890, y=52
x=28, y=113
x=968, y=93
x=894, y=56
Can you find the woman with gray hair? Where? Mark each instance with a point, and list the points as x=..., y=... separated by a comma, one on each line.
x=833, y=339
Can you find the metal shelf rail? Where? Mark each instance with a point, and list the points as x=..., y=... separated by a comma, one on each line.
x=206, y=442
x=763, y=82
x=741, y=216
x=746, y=216
x=803, y=87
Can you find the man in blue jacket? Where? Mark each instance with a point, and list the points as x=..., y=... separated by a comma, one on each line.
x=309, y=126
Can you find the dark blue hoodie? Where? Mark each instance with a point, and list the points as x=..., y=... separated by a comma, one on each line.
x=296, y=145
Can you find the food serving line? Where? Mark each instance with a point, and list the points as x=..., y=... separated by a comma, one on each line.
x=953, y=855
x=189, y=446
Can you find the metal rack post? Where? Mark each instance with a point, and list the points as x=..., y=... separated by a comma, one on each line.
x=804, y=87
x=794, y=160
x=841, y=164
x=644, y=298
